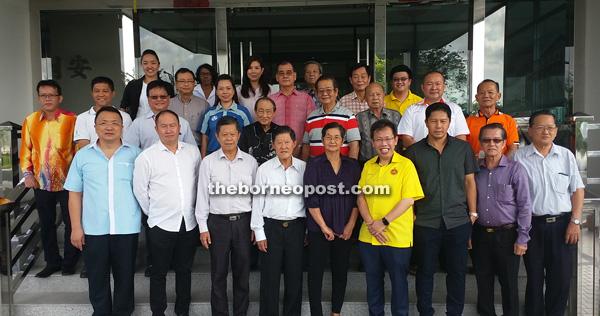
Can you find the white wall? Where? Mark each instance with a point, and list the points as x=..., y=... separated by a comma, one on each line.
x=17, y=97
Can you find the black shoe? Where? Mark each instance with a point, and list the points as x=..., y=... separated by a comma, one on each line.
x=184, y=314
x=148, y=271
x=68, y=270
x=48, y=271
x=83, y=273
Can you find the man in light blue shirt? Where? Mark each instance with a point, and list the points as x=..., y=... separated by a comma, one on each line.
x=556, y=202
x=106, y=219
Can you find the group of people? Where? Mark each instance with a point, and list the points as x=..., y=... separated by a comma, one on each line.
x=454, y=184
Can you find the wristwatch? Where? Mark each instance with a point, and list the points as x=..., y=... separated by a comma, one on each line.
x=474, y=215
x=575, y=221
x=385, y=221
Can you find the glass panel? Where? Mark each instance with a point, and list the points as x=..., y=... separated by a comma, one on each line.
x=431, y=36
x=327, y=34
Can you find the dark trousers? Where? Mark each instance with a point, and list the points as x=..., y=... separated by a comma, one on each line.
x=548, y=259
x=284, y=252
x=493, y=255
x=376, y=260
x=46, y=206
x=454, y=243
x=101, y=255
x=339, y=254
x=177, y=249
x=148, y=239
x=229, y=237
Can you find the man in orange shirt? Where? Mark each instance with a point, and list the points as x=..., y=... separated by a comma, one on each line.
x=488, y=94
x=47, y=149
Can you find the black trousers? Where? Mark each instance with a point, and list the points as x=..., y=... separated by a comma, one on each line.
x=548, y=259
x=46, y=206
x=285, y=242
x=101, y=255
x=339, y=254
x=493, y=255
x=178, y=249
x=229, y=238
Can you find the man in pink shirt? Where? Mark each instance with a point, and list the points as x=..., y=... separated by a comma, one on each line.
x=293, y=106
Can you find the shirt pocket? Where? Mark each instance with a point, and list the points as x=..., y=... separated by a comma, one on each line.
x=560, y=183
x=505, y=193
x=124, y=171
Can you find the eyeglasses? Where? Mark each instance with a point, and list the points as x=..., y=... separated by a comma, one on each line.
x=541, y=129
x=47, y=96
x=327, y=91
x=489, y=140
x=111, y=124
x=155, y=97
x=185, y=81
x=381, y=140
x=334, y=138
x=399, y=79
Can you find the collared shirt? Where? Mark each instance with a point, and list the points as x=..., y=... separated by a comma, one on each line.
x=164, y=184
x=47, y=148
x=217, y=169
x=391, y=102
x=109, y=206
x=142, y=132
x=293, y=110
x=365, y=120
x=200, y=93
x=85, y=125
x=314, y=96
x=413, y=121
x=318, y=119
x=208, y=122
x=477, y=121
x=250, y=101
x=442, y=177
x=353, y=103
x=277, y=206
x=191, y=111
x=503, y=197
x=335, y=208
x=552, y=179
x=258, y=143
x=401, y=177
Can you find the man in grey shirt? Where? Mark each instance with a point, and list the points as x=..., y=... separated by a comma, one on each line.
x=186, y=104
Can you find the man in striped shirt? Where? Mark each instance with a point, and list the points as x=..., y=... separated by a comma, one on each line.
x=327, y=90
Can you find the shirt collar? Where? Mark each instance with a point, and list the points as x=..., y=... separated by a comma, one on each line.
x=59, y=112
x=479, y=114
x=238, y=155
x=503, y=162
x=233, y=107
x=163, y=147
x=425, y=101
x=533, y=150
x=334, y=110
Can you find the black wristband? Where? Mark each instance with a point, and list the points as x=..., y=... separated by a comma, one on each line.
x=385, y=221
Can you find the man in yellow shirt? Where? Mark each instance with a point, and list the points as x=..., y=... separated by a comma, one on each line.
x=400, y=98
x=386, y=236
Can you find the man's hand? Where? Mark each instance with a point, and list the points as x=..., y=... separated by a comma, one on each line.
x=31, y=182
x=262, y=245
x=573, y=233
x=470, y=245
x=78, y=238
x=347, y=231
x=473, y=219
x=376, y=228
x=205, y=239
x=305, y=240
x=520, y=250
x=329, y=235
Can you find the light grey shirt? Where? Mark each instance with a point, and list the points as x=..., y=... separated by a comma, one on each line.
x=142, y=132
x=191, y=111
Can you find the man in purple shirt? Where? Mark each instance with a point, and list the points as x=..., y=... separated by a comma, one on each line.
x=293, y=106
x=501, y=232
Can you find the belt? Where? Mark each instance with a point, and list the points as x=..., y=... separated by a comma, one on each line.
x=285, y=223
x=232, y=217
x=548, y=219
x=499, y=228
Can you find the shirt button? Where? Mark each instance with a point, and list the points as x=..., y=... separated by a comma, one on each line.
x=488, y=222
x=488, y=197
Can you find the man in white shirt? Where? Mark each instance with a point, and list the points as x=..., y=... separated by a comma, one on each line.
x=557, y=194
x=280, y=219
x=412, y=127
x=164, y=183
x=103, y=92
x=224, y=218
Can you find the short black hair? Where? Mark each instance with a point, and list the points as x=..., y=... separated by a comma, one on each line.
x=283, y=63
x=213, y=72
x=160, y=84
x=358, y=66
x=108, y=109
x=325, y=77
x=150, y=52
x=184, y=70
x=228, y=120
x=381, y=124
x=438, y=106
x=434, y=72
x=490, y=80
x=284, y=130
x=106, y=80
x=267, y=99
x=538, y=113
x=49, y=83
x=163, y=112
x=314, y=62
x=401, y=68
x=493, y=126
x=333, y=125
